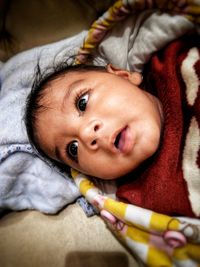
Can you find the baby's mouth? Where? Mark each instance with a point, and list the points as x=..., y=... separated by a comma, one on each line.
x=124, y=141
x=116, y=143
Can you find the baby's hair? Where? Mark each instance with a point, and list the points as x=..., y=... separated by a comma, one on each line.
x=34, y=104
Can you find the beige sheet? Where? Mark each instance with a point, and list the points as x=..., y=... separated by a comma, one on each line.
x=69, y=239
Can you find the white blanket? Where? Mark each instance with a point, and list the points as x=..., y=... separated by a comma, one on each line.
x=130, y=44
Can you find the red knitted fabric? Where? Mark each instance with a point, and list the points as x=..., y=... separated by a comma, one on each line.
x=161, y=185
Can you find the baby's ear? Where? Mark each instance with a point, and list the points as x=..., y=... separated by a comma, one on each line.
x=134, y=77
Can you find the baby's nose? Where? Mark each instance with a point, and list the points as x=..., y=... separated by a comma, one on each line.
x=89, y=134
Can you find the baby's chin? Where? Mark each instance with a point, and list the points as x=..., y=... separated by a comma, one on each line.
x=115, y=175
x=126, y=170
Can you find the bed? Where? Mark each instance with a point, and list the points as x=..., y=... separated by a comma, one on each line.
x=69, y=238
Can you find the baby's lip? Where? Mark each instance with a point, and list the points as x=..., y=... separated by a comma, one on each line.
x=123, y=141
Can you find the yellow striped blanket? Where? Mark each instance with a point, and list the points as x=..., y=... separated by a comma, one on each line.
x=157, y=239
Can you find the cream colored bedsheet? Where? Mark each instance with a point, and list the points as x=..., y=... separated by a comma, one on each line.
x=69, y=239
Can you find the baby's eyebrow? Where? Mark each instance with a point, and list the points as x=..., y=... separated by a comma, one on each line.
x=69, y=90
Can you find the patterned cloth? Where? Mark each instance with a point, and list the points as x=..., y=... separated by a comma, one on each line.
x=13, y=148
x=157, y=239
x=122, y=8
x=87, y=207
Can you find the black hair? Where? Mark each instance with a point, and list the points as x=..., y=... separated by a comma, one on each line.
x=34, y=100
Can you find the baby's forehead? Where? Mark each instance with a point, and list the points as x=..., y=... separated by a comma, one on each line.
x=69, y=80
x=56, y=87
x=71, y=77
x=66, y=77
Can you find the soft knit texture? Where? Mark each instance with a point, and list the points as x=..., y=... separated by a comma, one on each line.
x=169, y=182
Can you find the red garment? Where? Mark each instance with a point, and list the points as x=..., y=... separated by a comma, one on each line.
x=168, y=183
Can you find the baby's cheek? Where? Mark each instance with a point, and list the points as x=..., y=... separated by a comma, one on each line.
x=110, y=170
x=97, y=165
x=105, y=166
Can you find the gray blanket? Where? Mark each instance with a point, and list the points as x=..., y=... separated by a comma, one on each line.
x=26, y=181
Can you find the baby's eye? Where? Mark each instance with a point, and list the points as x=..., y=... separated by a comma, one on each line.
x=72, y=150
x=81, y=102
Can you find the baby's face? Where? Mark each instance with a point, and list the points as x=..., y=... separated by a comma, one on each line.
x=99, y=123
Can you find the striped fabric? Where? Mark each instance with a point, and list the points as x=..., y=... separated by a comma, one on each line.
x=157, y=239
x=122, y=8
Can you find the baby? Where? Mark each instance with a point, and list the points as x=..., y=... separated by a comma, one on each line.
x=99, y=121
x=97, y=116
